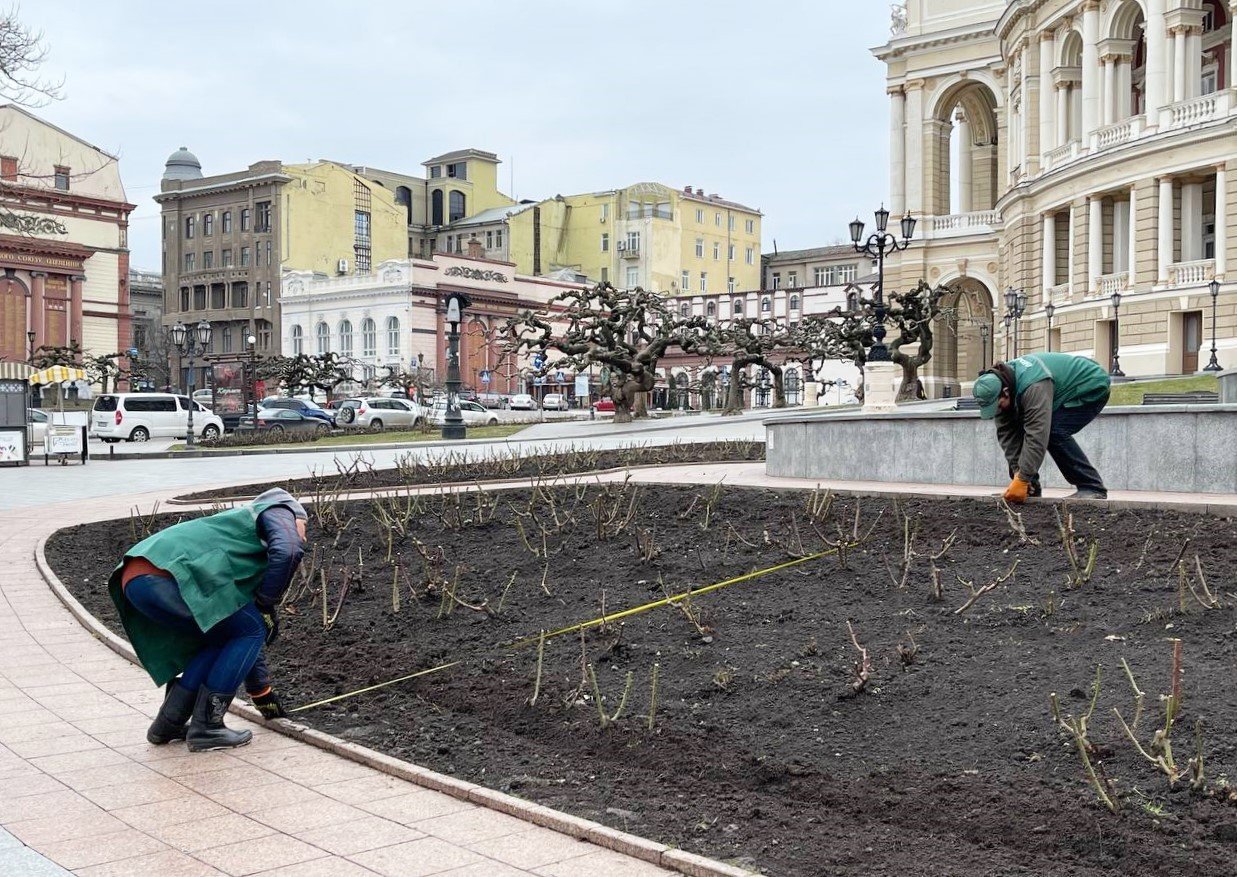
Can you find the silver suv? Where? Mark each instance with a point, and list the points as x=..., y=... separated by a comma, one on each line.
x=376, y=413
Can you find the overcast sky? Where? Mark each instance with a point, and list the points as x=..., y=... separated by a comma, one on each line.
x=777, y=104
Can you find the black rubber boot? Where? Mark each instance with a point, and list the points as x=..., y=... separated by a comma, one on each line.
x=177, y=707
x=207, y=730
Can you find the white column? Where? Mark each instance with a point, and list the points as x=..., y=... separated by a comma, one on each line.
x=1179, y=65
x=1049, y=269
x=1132, y=246
x=1069, y=242
x=1110, y=89
x=1165, y=248
x=966, y=165
x=1157, y=60
x=897, y=152
x=1120, y=236
x=1062, y=113
x=1090, y=69
x=1191, y=222
x=1047, y=136
x=1194, y=63
x=1095, y=242
x=1221, y=221
x=1123, y=106
x=1232, y=49
x=1024, y=112
x=914, y=146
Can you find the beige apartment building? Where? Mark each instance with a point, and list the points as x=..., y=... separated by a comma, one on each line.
x=1077, y=151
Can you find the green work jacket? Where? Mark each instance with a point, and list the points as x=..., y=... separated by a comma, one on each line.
x=218, y=561
x=1076, y=380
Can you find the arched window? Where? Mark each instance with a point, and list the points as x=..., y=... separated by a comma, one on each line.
x=685, y=310
x=436, y=212
x=190, y=225
x=208, y=224
x=345, y=338
x=794, y=302
x=852, y=301
x=710, y=310
x=324, y=338
x=736, y=307
x=766, y=305
x=393, y=336
x=298, y=340
x=403, y=195
x=369, y=338
x=457, y=210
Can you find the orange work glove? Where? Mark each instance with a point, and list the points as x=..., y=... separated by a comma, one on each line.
x=1017, y=490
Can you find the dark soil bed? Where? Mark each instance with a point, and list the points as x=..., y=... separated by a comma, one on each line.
x=946, y=763
x=452, y=468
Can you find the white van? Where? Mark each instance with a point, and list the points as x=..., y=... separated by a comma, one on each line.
x=137, y=417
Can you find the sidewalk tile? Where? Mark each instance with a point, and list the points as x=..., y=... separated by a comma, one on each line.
x=228, y=779
x=268, y=796
x=414, y=807
x=416, y=858
x=187, y=809
x=37, y=747
x=488, y=869
x=24, y=862
x=369, y=833
x=532, y=849
x=49, y=829
x=603, y=863
x=83, y=851
x=259, y=854
x=185, y=763
x=202, y=834
x=60, y=803
x=374, y=787
x=470, y=826
x=168, y=863
x=148, y=791
x=71, y=761
x=295, y=818
x=329, y=867
x=35, y=784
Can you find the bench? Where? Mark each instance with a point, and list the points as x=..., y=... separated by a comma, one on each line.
x=1194, y=397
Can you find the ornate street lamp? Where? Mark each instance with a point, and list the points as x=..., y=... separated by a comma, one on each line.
x=1049, y=310
x=453, y=424
x=252, y=384
x=193, y=342
x=1015, y=306
x=878, y=246
x=1214, y=365
x=1115, y=371
x=983, y=347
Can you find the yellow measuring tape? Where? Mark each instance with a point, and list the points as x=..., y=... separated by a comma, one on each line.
x=583, y=625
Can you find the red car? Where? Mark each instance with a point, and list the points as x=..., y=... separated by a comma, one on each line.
x=604, y=406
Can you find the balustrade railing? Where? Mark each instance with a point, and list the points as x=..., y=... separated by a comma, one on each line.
x=1191, y=273
x=1110, y=283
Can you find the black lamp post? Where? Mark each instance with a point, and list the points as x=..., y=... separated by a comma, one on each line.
x=1009, y=346
x=453, y=424
x=1015, y=305
x=1115, y=371
x=878, y=245
x=1049, y=310
x=1214, y=365
x=252, y=384
x=192, y=341
x=983, y=347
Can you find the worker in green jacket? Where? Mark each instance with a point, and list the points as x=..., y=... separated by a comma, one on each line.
x=197, y=601
x=1040, y=401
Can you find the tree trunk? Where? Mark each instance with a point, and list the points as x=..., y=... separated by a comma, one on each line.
x=734, y=397
x=779, y=388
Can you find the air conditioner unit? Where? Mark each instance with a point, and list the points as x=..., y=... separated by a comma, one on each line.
x=621, y=246
x=342, y=266
x=603, y=219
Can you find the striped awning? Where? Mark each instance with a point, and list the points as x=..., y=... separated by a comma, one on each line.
x=15, y=371
x=57, y=373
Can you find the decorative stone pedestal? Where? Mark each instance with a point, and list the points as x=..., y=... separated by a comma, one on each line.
x=879, y=394
x=811, y=394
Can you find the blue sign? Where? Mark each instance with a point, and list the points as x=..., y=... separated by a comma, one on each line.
x=538, y=360
x=539, y=381
x=485, y=377
x=558, y=376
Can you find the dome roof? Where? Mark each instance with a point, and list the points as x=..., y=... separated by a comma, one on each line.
x=182, y=165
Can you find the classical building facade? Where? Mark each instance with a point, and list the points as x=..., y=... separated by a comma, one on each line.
x=64, y=224
x=1070, y=150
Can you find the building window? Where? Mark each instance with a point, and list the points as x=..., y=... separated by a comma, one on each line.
x=704, y=281
x=184, y=298
x=369, y=338
x=457, y=203
x=437, y=213
x=263, y=223
x=226, y=335
x=264, y=334
x=794, y=302
x=700, y=216
x=818, y=277
x=191, y=261
x=699, y=248
x=244, y=257
x=847, y=273
x=226, y=219
x=361, y=228
x=227, y=258
x=240, y=295
x=736, y=307
x=730, y=253
x=269, y=263
x=750, y=226
x=685, y=281
x=489, y=240
x=199, y=298
x=766, y=305
x=191, y=225
x=208, y=260
x=8, y=169
x=633, y=241
x=605, y=212
x=218, y=297
x=685, y=310
x=777, y=280
x=633, y=276
x=749, y=256
x=717, y=250
x=498, y=238
x=257, y=258
x=345, y=338
x=244, y=219
x=730, y=221
x=605, y=242
x=730, y=286
x=60, y=178
x=717, y=220
x=710, y=309
x=267, y=300
x=324, y=338
x=792, y=279
x=208, y=225
x=458, y=170
x=605, y=275
x=393, y=336
x=436, y=172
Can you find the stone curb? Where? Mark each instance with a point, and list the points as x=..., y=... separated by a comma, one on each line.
x=583, y=829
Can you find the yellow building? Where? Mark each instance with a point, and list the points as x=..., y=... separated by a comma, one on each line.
x=649, y=235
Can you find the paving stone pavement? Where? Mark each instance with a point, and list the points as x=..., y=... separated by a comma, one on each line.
x=81, y=791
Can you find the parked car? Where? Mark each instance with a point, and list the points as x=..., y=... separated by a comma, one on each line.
x=203, y=396
x=473, y=413
x=493, y=400
x=286, y=420
x=36, y=428
x=523, y=402
x=303, y=406
x=554, y=402
x=138, y=417
x=373, y=413
x=604, y=406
